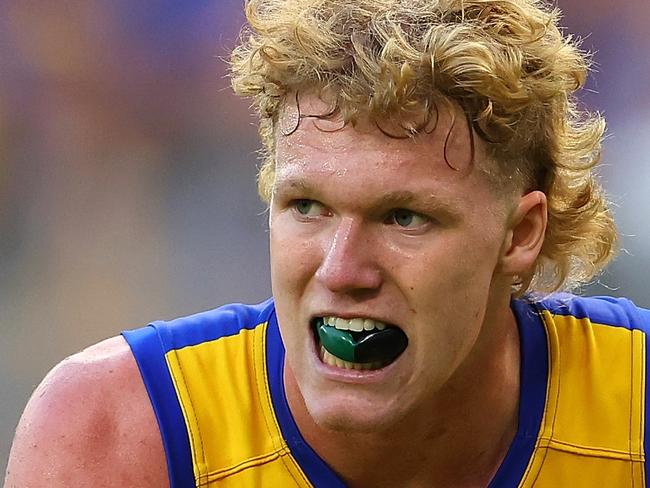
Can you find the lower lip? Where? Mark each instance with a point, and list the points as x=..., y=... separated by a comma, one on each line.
x=349, y=375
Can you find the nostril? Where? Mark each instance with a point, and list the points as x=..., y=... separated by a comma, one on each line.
x=349, y=275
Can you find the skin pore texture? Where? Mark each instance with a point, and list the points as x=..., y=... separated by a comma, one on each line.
x=367, y=226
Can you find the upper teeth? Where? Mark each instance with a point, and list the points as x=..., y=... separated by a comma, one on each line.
x=355, y=325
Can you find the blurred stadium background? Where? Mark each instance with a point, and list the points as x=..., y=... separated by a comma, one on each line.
x=127, y=170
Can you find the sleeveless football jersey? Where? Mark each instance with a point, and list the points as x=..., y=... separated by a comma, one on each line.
x=215, y=382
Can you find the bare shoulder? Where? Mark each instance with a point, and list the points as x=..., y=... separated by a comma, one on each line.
x=89, y=423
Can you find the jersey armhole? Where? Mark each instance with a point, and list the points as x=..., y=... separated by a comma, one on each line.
x=149, y=354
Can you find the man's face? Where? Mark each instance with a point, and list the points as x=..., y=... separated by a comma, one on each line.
x=371, y=227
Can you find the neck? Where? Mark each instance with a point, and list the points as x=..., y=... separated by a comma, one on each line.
x=459, y=438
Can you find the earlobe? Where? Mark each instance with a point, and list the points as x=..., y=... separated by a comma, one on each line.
x=525, y=236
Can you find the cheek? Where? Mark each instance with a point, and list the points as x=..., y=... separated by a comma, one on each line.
x=450, y=299
x=281, y=250
x=453, y=283
x=293, y=260
x=458, y=263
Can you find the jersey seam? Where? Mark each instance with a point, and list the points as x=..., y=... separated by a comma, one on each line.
x=636, y=324
x=263, y=389
x=252, y=462
x=631, y=407
x=557, y=395
x=286, y=460
x=199, y=476
x=529, y=467
x=642, y=399
x=597, y=451
x=551, y=446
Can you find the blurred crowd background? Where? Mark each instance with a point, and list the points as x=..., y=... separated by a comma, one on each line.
x=127, y=170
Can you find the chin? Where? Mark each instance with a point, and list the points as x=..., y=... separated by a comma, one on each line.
x=353, y=415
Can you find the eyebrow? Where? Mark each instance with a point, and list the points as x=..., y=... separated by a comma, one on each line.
x=406, y=198
x=292, y=184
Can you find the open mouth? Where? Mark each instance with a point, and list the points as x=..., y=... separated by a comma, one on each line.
x=361, y=344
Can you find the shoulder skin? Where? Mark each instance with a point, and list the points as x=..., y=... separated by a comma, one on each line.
x=89, y=423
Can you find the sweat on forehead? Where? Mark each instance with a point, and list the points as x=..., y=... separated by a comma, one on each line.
x=443, y=131
x=330, y=152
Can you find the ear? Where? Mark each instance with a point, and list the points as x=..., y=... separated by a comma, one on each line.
x=525, y=235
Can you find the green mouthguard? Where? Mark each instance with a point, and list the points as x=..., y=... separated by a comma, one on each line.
x=362, y=347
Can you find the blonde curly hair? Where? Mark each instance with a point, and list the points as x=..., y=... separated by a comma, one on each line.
x=505, y=62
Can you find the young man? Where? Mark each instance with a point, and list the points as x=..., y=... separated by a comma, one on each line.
x=429, y=182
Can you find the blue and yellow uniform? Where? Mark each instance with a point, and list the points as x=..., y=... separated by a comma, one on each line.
x=216, y=386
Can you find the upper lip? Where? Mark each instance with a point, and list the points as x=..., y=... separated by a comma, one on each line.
x=350, y=316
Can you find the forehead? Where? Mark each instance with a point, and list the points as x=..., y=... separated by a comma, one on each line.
x=445, y=158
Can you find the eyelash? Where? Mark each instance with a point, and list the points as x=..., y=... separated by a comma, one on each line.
x=391, y=219
x=295, y=206
x=393, y=216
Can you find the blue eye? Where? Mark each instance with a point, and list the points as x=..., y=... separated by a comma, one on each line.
x=303, y=206
x=407, y=219
x=308, y=208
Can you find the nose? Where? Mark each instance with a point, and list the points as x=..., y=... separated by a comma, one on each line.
x=348, y=264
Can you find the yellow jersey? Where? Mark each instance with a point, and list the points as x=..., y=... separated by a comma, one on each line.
x=216, y=386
